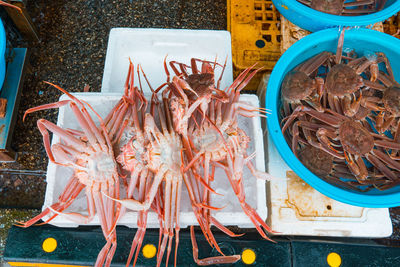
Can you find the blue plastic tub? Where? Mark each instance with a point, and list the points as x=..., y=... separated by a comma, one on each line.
x=312, y=20
x=2, y=54
x=362, y=40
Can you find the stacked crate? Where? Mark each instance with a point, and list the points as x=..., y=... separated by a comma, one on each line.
x=256, y=36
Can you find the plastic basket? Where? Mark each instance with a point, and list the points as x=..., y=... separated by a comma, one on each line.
x=313, y=20
x=256, y=36
x=360, y=40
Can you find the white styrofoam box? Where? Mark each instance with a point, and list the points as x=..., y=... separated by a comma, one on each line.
x=149, y=47
x=232, y=214
x=295, y=208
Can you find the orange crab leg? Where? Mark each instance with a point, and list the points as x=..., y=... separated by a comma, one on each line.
x=10, y=5
x=45, y=126
x=221, y=227
x=204, y=227
x=211, y=260
x=46, y=106
x=222, y=73
x=77, y=217
x=71, y=191
x=144, y=186
x=237, y=186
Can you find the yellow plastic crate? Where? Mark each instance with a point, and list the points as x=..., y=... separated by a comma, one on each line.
x=256, y=35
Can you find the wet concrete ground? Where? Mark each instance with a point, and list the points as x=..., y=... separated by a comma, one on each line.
x=71, y=54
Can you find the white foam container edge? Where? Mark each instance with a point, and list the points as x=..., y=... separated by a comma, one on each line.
x=57, y=176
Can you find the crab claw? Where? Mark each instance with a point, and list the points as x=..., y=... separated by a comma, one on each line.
x=130, y=204
x=10, y=5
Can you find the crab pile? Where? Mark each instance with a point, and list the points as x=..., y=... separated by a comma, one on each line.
x=340, y=115
x=346, y=7
x=146, y=150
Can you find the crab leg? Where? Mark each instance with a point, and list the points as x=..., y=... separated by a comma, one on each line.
x=204, y=225
x=167, y=218
x=382, y=167
x=258, y=174
x=386, y=159
x=221, y=227
x=211, y=260
x=113, y=110
x=311, y=65
x=339, y=49
x=71, y=191
x=359, y=3
x=259, y=223
x=314, y=127
x=196, y=210
x=142, y=218
x=135, y=205
x=45, y=107
x=173, y=217
x=305, y=2
x=396, y=137
x=357, y=167
x=328, y=119
x=77, y=217
x=181, y=66
x=101, y=258
x=45, y=126
x=381, y=124
x=85, y=126
x=84, y=113
x=357, y=11
x=387, y=144
x=118, y=121
x=177, y=217
x=369, y=102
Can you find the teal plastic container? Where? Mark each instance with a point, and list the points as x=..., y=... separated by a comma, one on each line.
x=312, y=20
x=363, y=41
x=2, y=54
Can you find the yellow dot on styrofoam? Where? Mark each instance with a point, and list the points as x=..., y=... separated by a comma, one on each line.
x=149, y=251
x=334, y=259
x=248, y=256
x=285, y=7
x=49, y=245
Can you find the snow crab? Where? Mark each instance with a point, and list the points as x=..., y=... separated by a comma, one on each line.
x=297, y=85
x=355, y=143
x=90, y=153
x=220, y=142
x=329, y=168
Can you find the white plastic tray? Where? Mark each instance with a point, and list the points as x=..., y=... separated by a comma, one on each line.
x=232, y=214
x=297, y=209
x=149, y=47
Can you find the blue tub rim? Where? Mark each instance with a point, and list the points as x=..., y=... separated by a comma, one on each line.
x=3, y=42
x=326, y=18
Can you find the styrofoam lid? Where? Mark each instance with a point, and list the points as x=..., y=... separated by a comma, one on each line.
x=149, y=47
